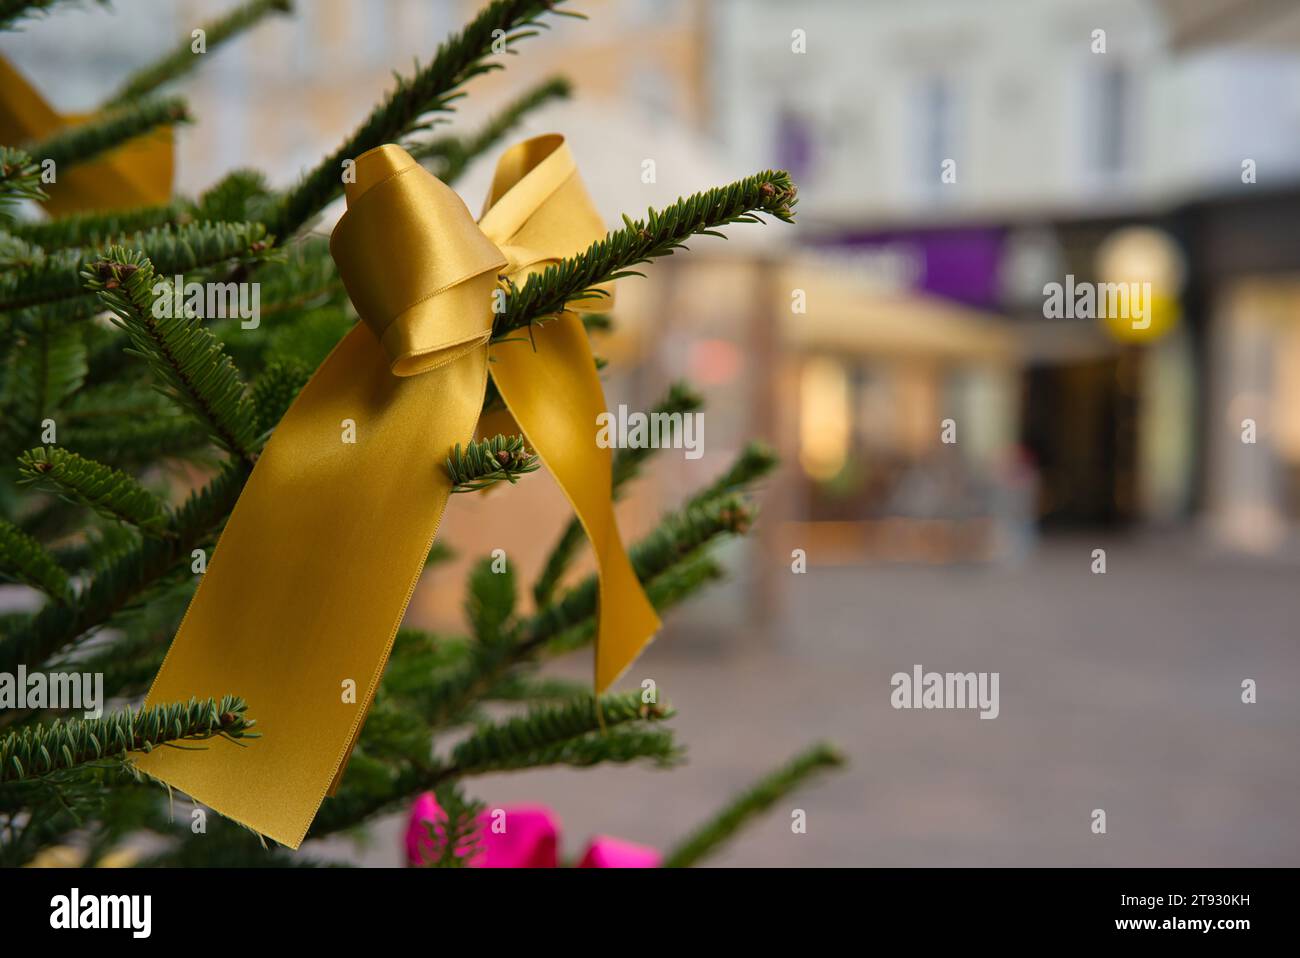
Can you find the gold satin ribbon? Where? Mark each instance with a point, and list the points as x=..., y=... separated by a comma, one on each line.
x=318, y=561
x=137, y=173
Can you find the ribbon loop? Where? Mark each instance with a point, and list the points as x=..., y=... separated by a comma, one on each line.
x=417, y=270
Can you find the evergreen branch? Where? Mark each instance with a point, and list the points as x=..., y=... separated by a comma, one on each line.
x=452, y=155
x=131, y=441
x=189, y=360
x=171, y=249
x=98, y=228
x=183, y=59
x=241, y=196
x=487, y=461
x=15, y=252
x=432, y=89
x=512, y=742
x=761, y=796
x=129, y=663
x=12, y=11
x=677, y=538
x=677, y=583
x=455, y=840
x=105, y=131
x=680, y=400
x=365, y=796
x=127, y=577
x=755, y=461
x=669, y=588
x=46, y=365
x=618, y=746
x=489, y=601
x=23, y=559
x=20, y=179
x=527, y=688
x=667, y=562
x=41, y=750
x=565, y=734
x=577, y=278
x=276, y=389
x=108, y=491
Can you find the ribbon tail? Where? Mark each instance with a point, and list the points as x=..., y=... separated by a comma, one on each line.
x=311, y=577
x=555, y=395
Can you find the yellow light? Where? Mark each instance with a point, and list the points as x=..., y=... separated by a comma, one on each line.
x=1149, y=261
x=824, y=422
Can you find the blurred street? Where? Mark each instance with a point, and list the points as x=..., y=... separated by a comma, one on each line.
x=1119, y=692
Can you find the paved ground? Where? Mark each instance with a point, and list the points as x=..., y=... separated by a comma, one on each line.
x=1119, y=692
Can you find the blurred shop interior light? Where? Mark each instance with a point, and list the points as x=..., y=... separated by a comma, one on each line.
x=824, y=418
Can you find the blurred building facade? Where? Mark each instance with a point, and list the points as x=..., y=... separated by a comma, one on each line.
x=978, y=152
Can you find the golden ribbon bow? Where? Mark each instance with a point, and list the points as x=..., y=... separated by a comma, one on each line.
x=314, y=570
x=137, y=173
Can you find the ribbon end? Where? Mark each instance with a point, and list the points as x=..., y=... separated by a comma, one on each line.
x=625, y=631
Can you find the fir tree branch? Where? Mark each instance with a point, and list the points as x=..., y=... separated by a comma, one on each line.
x=677, y=538
x=432, y=89
x=108, y=491
x=570, y=621
x=128, y=664
x=42, y=750
x=20, y=179
x=13, y=11
x=527, y=688
x=171, y=249
x=512, y=742
x=127, y=577
x=761, y=796
x=139, y=441
x=241, y=196
x=105, y=131
x=547, y=293
x=618, y=746
x=45, y=366
x=182, y=59
x=755, y=461
x=681, y=399
x=98, y=228
x=454, y=839
x=23, y=559
x=189, y=360
x=669, y=588
x=276, y=389
x=488, y=461
x=452, y=155
x=566, y=734
x=489, y=601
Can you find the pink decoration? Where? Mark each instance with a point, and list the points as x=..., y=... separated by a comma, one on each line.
x=523, y=836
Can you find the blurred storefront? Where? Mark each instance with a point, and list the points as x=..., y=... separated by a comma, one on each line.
x=1249, y=275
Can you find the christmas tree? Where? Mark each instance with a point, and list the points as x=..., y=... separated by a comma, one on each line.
x=128, y=434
